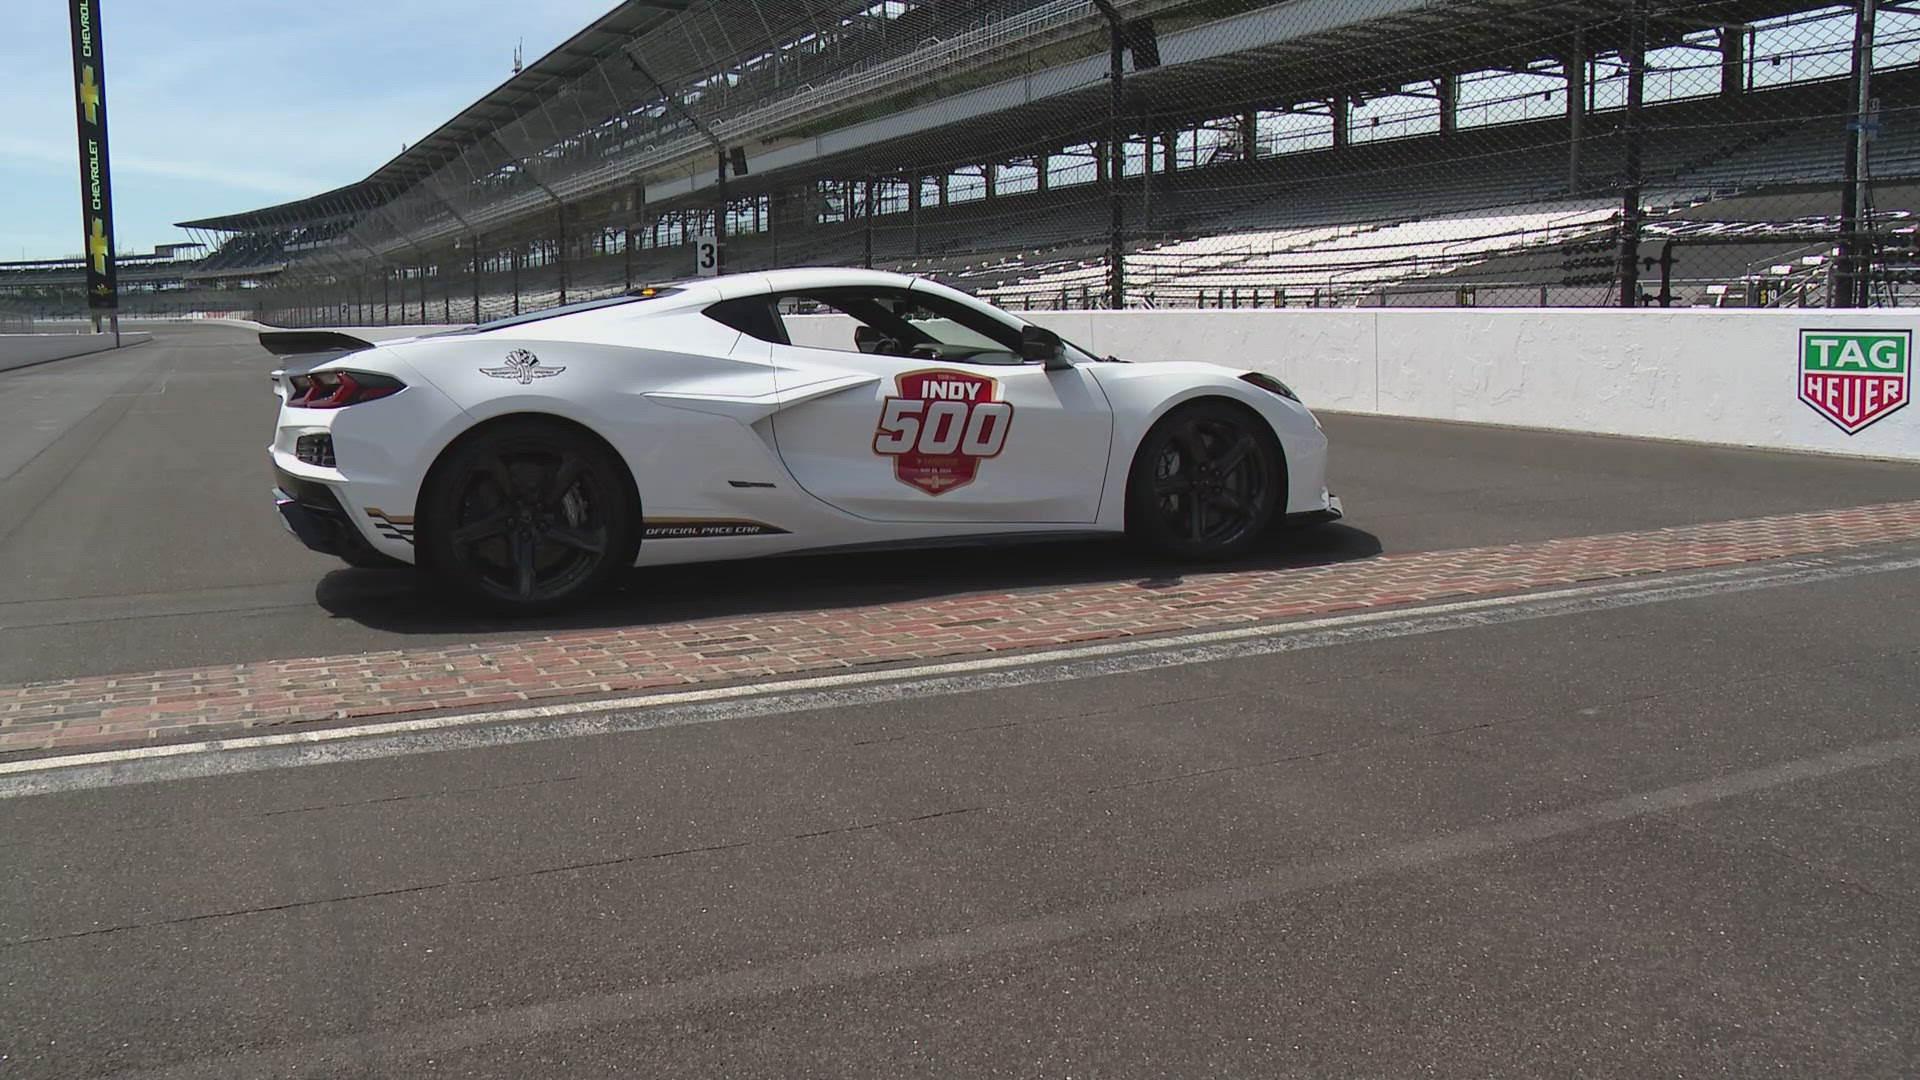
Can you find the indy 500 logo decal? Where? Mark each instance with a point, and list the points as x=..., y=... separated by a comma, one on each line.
x=1855, y=377
x=938, y=427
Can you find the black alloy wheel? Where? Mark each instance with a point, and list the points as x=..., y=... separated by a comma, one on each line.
x=1206, y=482
x=529, y=516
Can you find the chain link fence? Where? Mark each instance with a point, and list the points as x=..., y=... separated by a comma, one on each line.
x=16, y=318
x=1163, y=153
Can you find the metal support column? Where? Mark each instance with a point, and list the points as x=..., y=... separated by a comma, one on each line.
x=637, y=213
x=1636, y=59
x=1116, y=149
x=1579, y=69
x=560, y=249
x=1733, y=61
x=1852, y=284
x=720, y=211
x=914, y=184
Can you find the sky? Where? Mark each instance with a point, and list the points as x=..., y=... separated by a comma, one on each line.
x=217, y=106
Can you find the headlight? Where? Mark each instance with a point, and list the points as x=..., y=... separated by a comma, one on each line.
x=1270, y=384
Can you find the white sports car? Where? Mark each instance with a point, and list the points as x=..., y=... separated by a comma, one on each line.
x=525, y=461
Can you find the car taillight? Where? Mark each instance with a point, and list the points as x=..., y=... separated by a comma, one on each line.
x=338, y=389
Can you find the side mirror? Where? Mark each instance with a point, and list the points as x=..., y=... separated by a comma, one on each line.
x=1039, y=345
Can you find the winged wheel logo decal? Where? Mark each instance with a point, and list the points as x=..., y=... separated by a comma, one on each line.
x=522, y=367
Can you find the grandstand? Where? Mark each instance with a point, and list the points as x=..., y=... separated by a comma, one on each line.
x=1297, y=152
x=152, y=282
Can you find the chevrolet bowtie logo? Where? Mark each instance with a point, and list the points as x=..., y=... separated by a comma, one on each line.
x=97, y=246
x=90, y=94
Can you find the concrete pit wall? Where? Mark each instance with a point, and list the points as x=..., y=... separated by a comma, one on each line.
x=1696, y=375
x=24, y=350
x=1731, y=377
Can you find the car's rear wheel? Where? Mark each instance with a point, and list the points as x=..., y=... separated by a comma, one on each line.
x=528, y=516
x=1206, y=482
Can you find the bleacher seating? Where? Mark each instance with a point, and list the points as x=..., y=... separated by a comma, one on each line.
x=1334, y=224
x=1485, y=208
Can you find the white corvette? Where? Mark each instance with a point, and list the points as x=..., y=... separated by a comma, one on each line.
x=527, y=460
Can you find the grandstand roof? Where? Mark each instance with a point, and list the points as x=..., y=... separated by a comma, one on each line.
x=501, y=105
x=1275, y=51
x=1268, y=51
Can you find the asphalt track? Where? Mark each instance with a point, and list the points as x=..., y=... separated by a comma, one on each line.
x=1669, y=837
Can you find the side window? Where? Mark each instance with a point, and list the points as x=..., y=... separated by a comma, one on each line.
x=751, y=315
x=895, y=322
x=810, y=324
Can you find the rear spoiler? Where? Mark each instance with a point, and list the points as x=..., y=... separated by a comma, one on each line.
x=301, y=342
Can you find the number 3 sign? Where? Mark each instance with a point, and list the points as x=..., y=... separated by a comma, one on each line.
x=939, y=427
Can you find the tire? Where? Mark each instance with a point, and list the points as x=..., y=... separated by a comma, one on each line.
x=528, y=516
x=1207, y=481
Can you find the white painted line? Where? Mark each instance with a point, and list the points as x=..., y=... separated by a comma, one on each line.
x=574, y=719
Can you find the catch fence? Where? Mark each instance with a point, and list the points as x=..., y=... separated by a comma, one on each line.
x=1167, y=153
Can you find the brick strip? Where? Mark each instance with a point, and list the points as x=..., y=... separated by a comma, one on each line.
x=164, y=706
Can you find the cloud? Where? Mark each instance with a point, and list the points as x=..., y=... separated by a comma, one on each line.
x=267, y=180
x=275, y=182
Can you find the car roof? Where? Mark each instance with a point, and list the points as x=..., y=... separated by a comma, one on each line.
x=822, y=277
x=680, y=295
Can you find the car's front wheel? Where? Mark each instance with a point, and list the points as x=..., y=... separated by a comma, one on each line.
x=528, y=516
x=1206, y=481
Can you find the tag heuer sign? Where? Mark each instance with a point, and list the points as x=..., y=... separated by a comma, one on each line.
x=1855, y=377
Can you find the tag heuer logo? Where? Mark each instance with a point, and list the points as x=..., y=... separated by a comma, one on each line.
x=1855, y=377
x=522, y=367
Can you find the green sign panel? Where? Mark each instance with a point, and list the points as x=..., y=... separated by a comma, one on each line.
x=1855, y=377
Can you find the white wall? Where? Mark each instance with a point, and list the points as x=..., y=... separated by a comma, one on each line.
x=21, y=350
x=1700, y=375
